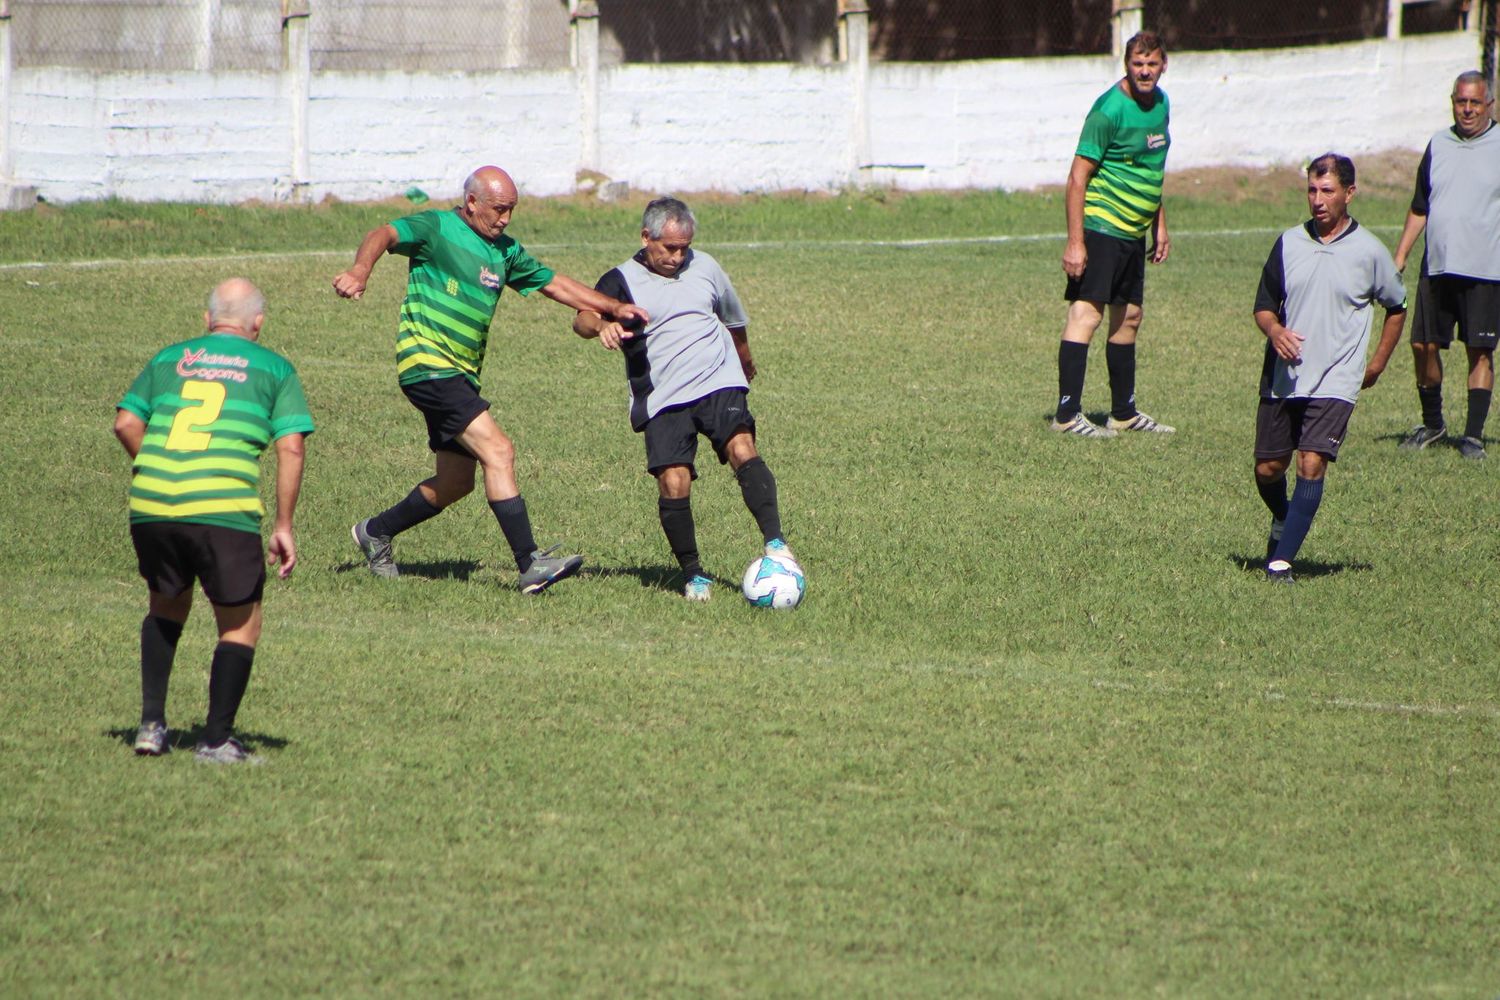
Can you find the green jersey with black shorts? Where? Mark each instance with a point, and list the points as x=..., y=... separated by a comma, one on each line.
x=211, y=406
x=1130, y=145
x=453, y=285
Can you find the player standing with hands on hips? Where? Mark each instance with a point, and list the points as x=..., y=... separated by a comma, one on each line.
x=1113, y=200
x=460, y=262
x=1316, y=293
x=1457, y=200
x=194, y=423
x=689, y=372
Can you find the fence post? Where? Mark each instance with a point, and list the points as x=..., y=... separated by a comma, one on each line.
x=854, y=48
x=1128, y=22
x=584, y=24
x=12, y=195
x=297, y=80
x=1393, y=19
x=208, y=26
x=1489, y=40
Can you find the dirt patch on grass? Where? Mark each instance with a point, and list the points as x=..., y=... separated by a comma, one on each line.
x=1385, y=174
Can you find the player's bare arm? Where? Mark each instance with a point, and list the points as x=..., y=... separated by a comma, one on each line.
x=1075, y=257
x=589, y=324
x=741, y=337
x=130, y=431
x=583, y=298
x=350, y=284
x=1162, y=244
x=291, y=455
x=1413, y=228
x=1286, y=343
x=1390, y=336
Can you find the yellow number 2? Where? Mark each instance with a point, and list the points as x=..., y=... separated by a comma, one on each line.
x=210, y=400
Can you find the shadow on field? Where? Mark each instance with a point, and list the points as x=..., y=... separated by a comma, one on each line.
x=652, y=577
x=442, y=569
x=187, y=739
x=1449, y=443
x=1302, y=569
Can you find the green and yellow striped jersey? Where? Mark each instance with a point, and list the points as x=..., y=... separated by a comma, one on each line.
x=1130, y=145
x=452, y=287
x=211, y=406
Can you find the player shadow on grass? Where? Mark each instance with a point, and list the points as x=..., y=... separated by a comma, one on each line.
x=441, y=569
x=1449, y=443
x=187, y=739
x=1302, y=569
x=658, y=577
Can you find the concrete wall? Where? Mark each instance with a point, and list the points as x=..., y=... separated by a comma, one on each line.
x=1003, y=123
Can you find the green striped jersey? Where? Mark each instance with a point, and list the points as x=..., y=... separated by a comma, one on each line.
x=211, y=406
x=452, y=287
x=1130, y=145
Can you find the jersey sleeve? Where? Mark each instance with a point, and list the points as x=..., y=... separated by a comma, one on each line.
x=1098, y=132
x=727, y=303
x=289, y=413
x=525, y=273
x=137, y=398
x=614, y=285
x=1421, y=197
x=1271, y=295
x=414, y=232
x=1390, y=290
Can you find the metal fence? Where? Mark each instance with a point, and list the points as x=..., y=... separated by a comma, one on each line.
x=490, y=35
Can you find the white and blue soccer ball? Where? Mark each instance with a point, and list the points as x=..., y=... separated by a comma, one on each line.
x=773, y=582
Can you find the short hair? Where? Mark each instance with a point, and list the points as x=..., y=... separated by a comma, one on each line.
x=667, y=210
x=1333, y=163
x=235, y=301
x=1471, y=76
x=1144, y=42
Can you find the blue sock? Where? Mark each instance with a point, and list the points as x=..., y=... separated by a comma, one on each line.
x=1299, y=517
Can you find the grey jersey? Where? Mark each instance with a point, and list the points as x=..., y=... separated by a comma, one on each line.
x=1325, y=292
x=685, y=352
x=1458, y=189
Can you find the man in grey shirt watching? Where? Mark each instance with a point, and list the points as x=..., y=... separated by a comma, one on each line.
x=1457, y=201
x=689, y=370
x=1315, y=349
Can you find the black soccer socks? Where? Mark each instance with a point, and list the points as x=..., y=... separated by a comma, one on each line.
x=1273, y=495
x=411, y=511
x=677, y=524
x=227, y=680
x=1431, y=398
x=758, y=487
x=1479, y=411
x=158, y=648
x=1120, y=360
x=1072, y=363
x=515, y=523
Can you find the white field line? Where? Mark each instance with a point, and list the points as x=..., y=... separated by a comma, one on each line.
x=1431, y=710
x=41, y=265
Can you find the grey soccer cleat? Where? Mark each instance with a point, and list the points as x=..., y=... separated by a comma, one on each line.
x=1140, y=422
x=1421, y=436
x=546, y=569
x=1470, y=447
x=151, y=739
x=376, y=549
x=226, y=751
x=1083, y=427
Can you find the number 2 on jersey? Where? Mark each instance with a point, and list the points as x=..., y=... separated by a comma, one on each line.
x=185, y=436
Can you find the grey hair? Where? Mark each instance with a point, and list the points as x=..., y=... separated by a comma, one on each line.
x=667, y=210
x=1471, y=76
x=235, y=301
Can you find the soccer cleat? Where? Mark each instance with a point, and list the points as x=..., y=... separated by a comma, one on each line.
x=151, y=739
x=1421, y=436
x=546, y=569
x=1139, y=422
x=1279, y=571
x=778, y=548
x=1471, y=448
x=1273, y=539
x=226, y=751
x=699, y=588
x=1083, y=427
x=377, y=550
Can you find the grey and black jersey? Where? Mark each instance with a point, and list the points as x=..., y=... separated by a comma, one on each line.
x=1325, y=292
x=1458, y=189
x=685, y=352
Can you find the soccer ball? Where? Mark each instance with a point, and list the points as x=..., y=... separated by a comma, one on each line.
x=773, y=582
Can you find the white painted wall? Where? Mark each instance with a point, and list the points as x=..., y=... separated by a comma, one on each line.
x=1003, y=123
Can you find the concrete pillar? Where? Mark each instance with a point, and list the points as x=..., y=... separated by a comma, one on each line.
x=296, y=77
x=1128, y=21
x=1393, y=19
x=513, y=34
x=207, y=28
x=12, y=195
x=854, y=48
x=584, y=23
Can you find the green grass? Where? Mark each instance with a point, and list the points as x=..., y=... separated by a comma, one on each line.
x=1039, y=729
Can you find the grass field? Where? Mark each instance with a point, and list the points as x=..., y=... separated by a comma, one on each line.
x=1039, y=729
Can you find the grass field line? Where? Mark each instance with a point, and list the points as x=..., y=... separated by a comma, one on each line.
x=937, y=241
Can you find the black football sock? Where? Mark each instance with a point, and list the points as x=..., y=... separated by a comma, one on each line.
x=1120, y=360
x=1299, y=517
x=1273, y=495
x=1072, y=363
x=676, y=515
x=413, y=509
x=227, y=680
x=516, y=525
x=158, y=648
x=758, y=487
x=1479, y=411
x=1431, y=398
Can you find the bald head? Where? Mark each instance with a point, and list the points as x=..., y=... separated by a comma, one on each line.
x=489, y=197
x=236, y=306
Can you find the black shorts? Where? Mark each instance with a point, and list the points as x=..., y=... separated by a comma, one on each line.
x=1444, y=302
x=449, y=405
x=227, y=561
x=1283, y=426
x=1115, y=273
x=672, y=435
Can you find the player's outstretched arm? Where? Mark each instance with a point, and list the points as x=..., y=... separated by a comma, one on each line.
x=130, y=431
x=589, y=324
x=583, y=298
x=350, y=284
x=1390, y=336
x=741, y=337
x=290, y=456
